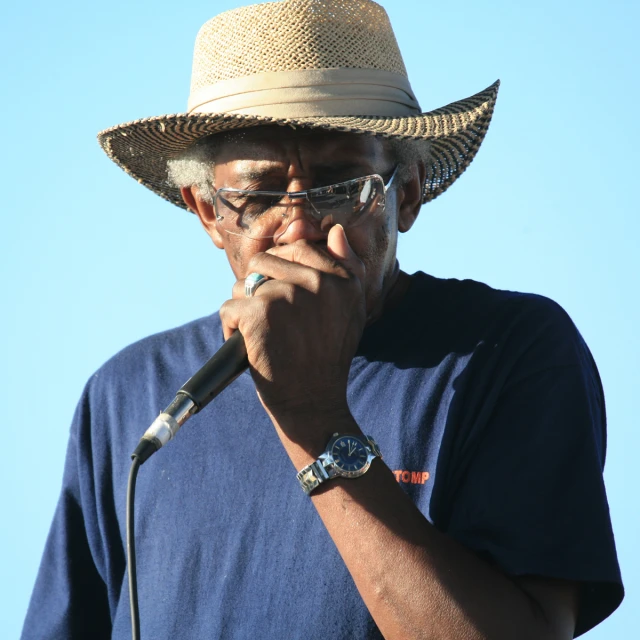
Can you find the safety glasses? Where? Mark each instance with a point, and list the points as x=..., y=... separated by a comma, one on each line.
x=267, y=214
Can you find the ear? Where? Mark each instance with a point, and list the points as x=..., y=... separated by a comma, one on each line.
x=410, y=199
x=205, y=213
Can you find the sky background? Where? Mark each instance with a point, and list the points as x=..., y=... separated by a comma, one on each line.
x=91, y=261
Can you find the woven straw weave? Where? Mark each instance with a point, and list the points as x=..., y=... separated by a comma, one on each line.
x=300, y=36
x=294, y=35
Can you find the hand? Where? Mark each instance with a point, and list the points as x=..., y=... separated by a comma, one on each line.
x=302, y=329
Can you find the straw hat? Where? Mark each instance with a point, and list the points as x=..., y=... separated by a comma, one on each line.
x=327, y=64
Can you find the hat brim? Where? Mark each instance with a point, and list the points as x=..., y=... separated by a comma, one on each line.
x=455, y=132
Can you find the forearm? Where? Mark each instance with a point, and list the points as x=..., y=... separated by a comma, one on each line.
x=415, y=581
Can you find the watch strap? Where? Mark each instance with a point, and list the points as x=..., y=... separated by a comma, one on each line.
x=314, y=474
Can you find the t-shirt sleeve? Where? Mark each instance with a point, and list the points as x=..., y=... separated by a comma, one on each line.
x=531, y=496
x=70, y=599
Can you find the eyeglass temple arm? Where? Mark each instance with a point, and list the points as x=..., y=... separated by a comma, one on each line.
x=392, y=178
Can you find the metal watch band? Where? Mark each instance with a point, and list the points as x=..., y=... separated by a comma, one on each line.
x=314, y=474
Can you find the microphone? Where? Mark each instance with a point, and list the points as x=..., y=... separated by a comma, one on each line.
x=194, y=395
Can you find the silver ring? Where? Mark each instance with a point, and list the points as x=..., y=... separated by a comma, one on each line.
x=252, y=282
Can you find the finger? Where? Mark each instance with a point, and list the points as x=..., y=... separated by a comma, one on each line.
x=308, y=254
x=339, y=248
x=246, y=314
x=281, y=267
x=230, y=313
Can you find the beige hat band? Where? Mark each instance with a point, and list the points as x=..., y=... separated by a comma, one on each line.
x=310, y=92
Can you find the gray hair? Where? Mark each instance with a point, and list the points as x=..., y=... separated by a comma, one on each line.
x=194, y=167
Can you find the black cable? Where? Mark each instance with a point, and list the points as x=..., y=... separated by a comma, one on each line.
x=219, y=371
x=131, y=549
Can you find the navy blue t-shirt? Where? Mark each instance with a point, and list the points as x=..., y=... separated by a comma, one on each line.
x=486, y=404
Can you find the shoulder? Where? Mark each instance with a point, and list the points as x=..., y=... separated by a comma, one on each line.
x=455, y=295
x=473, y=312
x=152, y=367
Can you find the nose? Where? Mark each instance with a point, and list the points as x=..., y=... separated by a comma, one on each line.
x=300, y=226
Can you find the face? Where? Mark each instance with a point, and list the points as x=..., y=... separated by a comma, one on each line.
x=286, y=159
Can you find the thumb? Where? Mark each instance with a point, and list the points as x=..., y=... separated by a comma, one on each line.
x=340, y=249
x=338, y=244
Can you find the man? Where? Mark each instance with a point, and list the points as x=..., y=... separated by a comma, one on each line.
x=303, y=154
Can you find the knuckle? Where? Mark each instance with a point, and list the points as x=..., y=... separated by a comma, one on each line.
x=290, y=292
x=315, y=281
x=238, y=289
x=260, y=306
x=225, y=312
x=272, y=305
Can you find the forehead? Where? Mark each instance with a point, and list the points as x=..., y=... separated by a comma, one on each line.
x=276, y=143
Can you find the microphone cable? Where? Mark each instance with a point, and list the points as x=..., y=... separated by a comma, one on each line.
x=131, y=549
x=195, y=394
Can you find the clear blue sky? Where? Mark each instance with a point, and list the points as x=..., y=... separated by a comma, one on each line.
x=91, y=261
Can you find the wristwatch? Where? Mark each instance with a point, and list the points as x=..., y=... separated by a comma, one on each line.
x=346, y=456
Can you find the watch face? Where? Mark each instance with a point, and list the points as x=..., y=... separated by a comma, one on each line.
x=350, y=456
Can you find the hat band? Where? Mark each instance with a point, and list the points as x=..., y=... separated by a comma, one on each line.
x=310, y=92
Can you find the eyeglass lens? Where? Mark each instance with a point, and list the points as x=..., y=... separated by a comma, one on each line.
x=264, y=215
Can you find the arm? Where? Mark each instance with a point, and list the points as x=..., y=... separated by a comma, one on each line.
x=415, y=581
x=418, y=582
x=69, y=599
